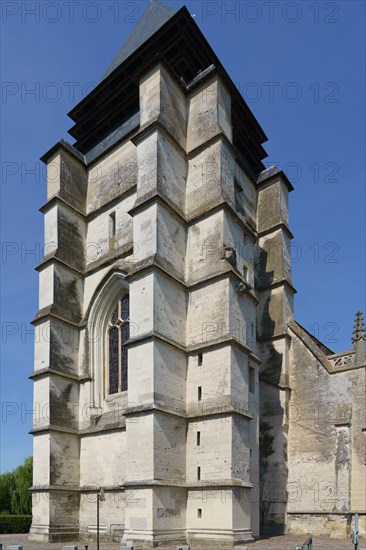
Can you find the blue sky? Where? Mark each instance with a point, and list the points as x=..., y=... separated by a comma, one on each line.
x=299, y=65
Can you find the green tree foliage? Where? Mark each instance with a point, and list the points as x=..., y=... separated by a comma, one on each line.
x=7, y=486
x=14, y=495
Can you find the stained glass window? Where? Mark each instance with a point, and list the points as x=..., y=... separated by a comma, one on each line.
x=118, y=334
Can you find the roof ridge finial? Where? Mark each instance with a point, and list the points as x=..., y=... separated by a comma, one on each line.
x=359, y=328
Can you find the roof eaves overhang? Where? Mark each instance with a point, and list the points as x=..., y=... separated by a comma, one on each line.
x=179, y=36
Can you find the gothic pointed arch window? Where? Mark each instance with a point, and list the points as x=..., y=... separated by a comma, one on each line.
x=117, y=356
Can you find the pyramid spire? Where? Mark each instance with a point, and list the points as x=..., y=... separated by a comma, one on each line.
x=359, y=332
x=359, y=338
x=154, y=17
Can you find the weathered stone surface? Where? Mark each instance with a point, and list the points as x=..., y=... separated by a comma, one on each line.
x=235, y=420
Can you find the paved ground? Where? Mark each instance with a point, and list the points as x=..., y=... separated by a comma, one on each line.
x=274, y=543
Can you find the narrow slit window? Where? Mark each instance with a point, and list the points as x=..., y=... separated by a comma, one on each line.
x=199, y=393
x=198, y=439
x=112, y=225
x=238, y=197
x=199, y=473
x=199, y=512
x=251, y=380
x=200, y=359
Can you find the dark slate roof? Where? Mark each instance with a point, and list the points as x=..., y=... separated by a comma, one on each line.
x=178, y=43
x=154, y=17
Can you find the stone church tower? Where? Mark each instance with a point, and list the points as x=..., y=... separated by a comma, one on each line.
x=169, y=370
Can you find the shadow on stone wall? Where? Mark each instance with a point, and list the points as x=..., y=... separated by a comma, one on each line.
x=273, y=425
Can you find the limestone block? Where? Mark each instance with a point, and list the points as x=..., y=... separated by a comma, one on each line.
x=103, y=243
x=205, y=243
x=214, y=454
x=204, y=180
x=46, y=286
x=170, y=509
x=139, y=512
x=274, y=312
x=142, y=304
x=140, y=445
x=64, y=402
x=53, y=175
x=73, y=184
x=41, y=402
x=145, y=233
x=170, y=370
x=240, y=379
x=41, y=466
x=235, y=237
x=50, y=230
x=273, y=259
x=242, y=321
x=67, y=294
x=171, y=172
x=169, y=433
x=209, y=113
x=169, y=308
x=213, y=376
x=71, y=235
x=112, y=511
x=161, y=168
x=42, y=342
x=64, y=511
x=162, y=99
x=141, y=384
x=103, y=469
x=159, y=375
x=64, y=459
x=147, y=156
x=171, y=242
x=112, y=176
x=64, y=343
x=272, y=205
x=208, y=320
x=216, y=509
x=66, y=177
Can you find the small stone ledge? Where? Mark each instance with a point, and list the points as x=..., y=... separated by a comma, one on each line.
x=153, y=126
x=63, y=144
x=52, y=428
x=149, y=264
x=153, y=407
x=276, y=227
x=208, y=483
x=49, y=371
x=156, y=196
x=110, y=259
x=154, y=335
x=57, y=199
x=54, y=258
x=267, y=176
x=48, y=312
